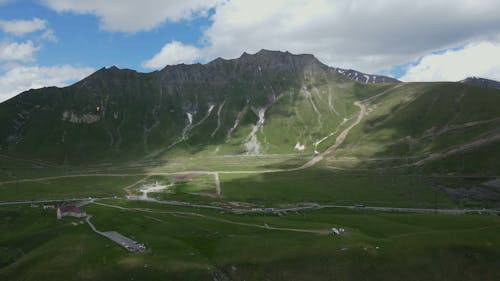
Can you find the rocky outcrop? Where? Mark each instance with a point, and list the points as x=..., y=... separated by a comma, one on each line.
x=86, y=118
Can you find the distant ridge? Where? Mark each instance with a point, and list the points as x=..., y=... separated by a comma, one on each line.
x=366, y=78
x=483, y=82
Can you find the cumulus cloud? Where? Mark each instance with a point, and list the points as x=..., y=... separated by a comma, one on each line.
x=478, y=59
x=132, y=15
x=173, y=53
x=368, y=35
x=22, y=78
x=22, y=27
x=17, y=51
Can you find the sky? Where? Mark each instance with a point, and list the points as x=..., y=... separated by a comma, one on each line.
x=58, y=42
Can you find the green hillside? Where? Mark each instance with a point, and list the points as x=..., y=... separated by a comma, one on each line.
x=238, y=170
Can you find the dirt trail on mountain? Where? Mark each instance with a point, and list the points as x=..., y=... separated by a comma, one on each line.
x=459, y=148
x=340, y=139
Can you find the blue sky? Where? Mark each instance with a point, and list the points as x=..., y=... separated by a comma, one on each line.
x=57, y=42
x=80, y=40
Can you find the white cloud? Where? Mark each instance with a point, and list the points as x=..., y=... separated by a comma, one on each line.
x=49, y=35
x=133, y=15
x=370, y=35
x=22, y=27
x=173, y=53
x=23, y=78
x=478, y=59
x=17, y=51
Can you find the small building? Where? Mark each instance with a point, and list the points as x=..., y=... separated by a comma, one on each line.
x=70, y=211
x=48, y=207
x=269, y=210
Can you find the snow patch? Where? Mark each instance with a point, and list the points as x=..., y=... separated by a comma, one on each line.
x=190, y=117
x=210, y=109
x=299, y=147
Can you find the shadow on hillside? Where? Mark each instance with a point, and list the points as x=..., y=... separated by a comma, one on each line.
x=390, y=175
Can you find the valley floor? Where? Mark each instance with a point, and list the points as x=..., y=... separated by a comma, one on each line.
x=187, y=243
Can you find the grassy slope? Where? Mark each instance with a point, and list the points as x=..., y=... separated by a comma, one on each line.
x=321, y=186
x=406, y=121
x=410, y=247
x=67, y=188
x=293, y=119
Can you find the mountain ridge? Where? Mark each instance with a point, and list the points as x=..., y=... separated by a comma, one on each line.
x=269, y=102
x=274, y=60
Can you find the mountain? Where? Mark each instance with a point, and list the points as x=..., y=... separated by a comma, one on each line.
x=478, y=81
x=366, y=78
x=267, y=153
x=262, y=104
x=115, y=110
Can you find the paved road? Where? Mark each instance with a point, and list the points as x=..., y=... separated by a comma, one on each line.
x=125, y=242
x=318, y=206
x=19, y=202
x=398, y=210
x=276, y=210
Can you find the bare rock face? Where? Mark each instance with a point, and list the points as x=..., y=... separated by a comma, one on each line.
x=86, y=118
